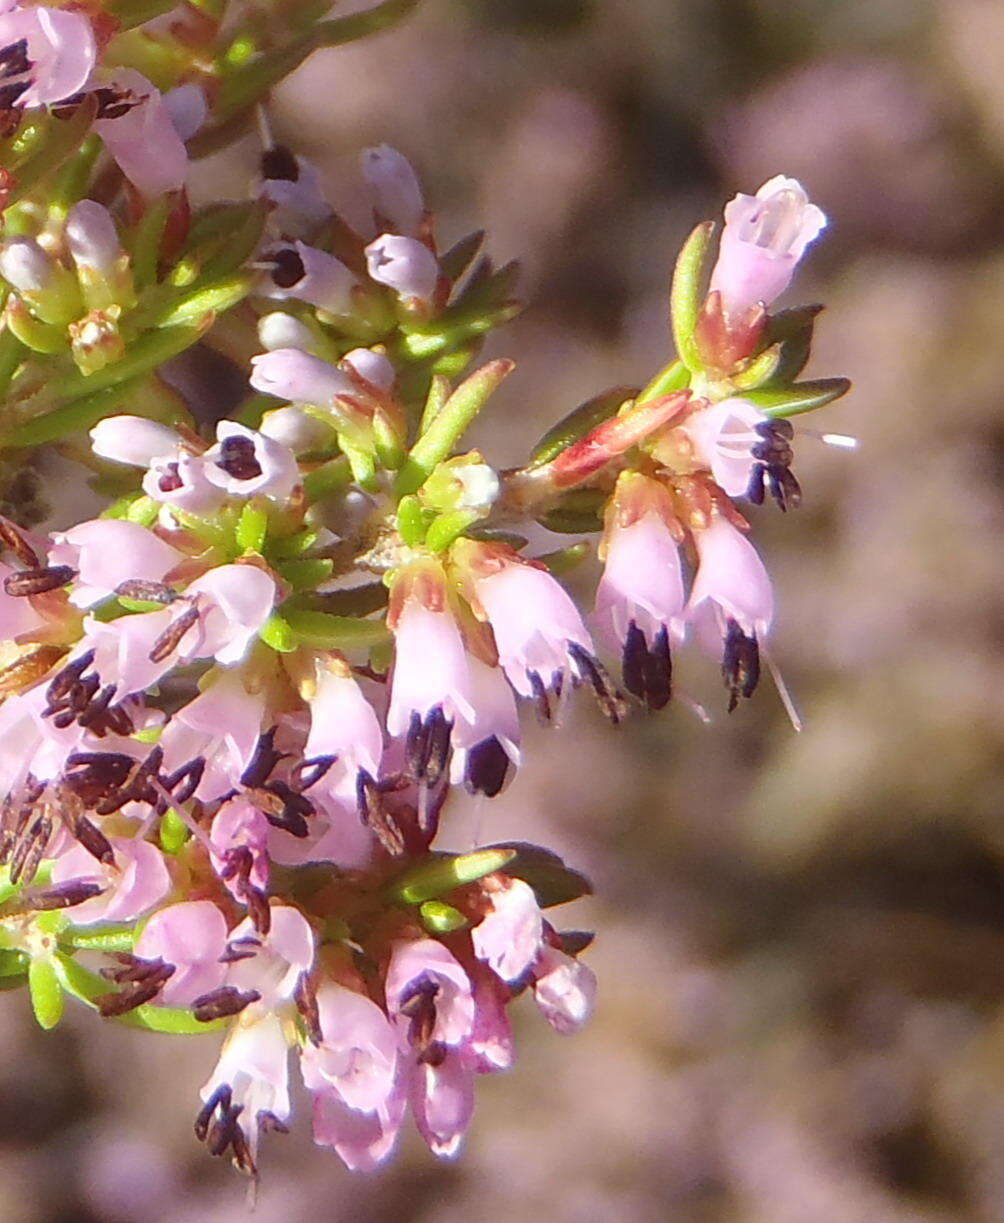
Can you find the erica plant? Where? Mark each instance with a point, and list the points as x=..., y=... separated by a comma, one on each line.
x=235, y=704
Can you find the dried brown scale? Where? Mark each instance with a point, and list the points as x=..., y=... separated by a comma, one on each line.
x=29, y=848
x=38, y=581
x=63, y=896
x=610, y=700
x=740, y=664
x=306, y=1003
x=28, y=668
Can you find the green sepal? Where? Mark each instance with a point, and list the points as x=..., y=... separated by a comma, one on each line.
x=252, y=527
x=46, y=994
x=32, y=332
x=330, y=477
x=435, y=401
x=450, y=424
x=147, y=238
x=323, y=631
x=307, y=573
x=448, y=527
x=762, y=369
x=441, y=873
x=174, y=832
x=799, y=398
x=687, y=293
x=277, y=633
x=674, y=377
x=412, y=520
x=580, y=421
x=440, y=918
x=553, y=882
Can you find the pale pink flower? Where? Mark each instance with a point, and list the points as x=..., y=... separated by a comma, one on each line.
x=508, y=937
x=106, y=552
x=431, y=671
x=59, y=53
x=221, y=727
x=642, y=582
x=423, y=971
x=723, y=436
x=122, y=650
x=290, y=373
x=764, y=238
x=143, y=140
x=136, y=883
x=234, y=602
x=397, y=195
x=311, y=275
x=192, y=936
x=336, y=834
x=250, y=1085
x=731, y=585
x=278, y=329
x=537, y=627
x=179, y=480
x=362, y=1140
x=565, y=990
x=405, y=265
x=486, y=747
x=345, y=727
x=246, y=463
x=285, y=953
x=442, y=1101
x=353, y=1075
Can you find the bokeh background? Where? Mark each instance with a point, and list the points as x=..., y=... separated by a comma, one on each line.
x=801, y=947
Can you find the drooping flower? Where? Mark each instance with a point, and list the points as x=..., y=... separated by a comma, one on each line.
x=764, y=238
x=640, y=597
x=344, y=731
x=353, y=1075
x=508, y=938
x=430, y=687
x=486, y=746
x=292, y=184
x=429, y=996
x=731, y=604
x=397, y=195
x=405, y=265
x=564, y=989
x=539, y=633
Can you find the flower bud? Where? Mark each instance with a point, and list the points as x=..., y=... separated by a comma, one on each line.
x=187, y=109
x=26, y=266
x=405, y=265
x=91, y=236
x=281, y=330
x=295, y=429
x=397, y=196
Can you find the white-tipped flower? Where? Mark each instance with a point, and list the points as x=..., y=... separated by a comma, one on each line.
x=281, y=330
x=26, y=266
x=91, y=237
x=246, y=463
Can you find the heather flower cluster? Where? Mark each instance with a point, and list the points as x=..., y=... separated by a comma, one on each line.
x=236, y=704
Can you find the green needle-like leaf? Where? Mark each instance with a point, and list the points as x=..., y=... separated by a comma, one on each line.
x=687, y=294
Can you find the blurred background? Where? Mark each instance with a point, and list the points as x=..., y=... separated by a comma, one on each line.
x=801, y=938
